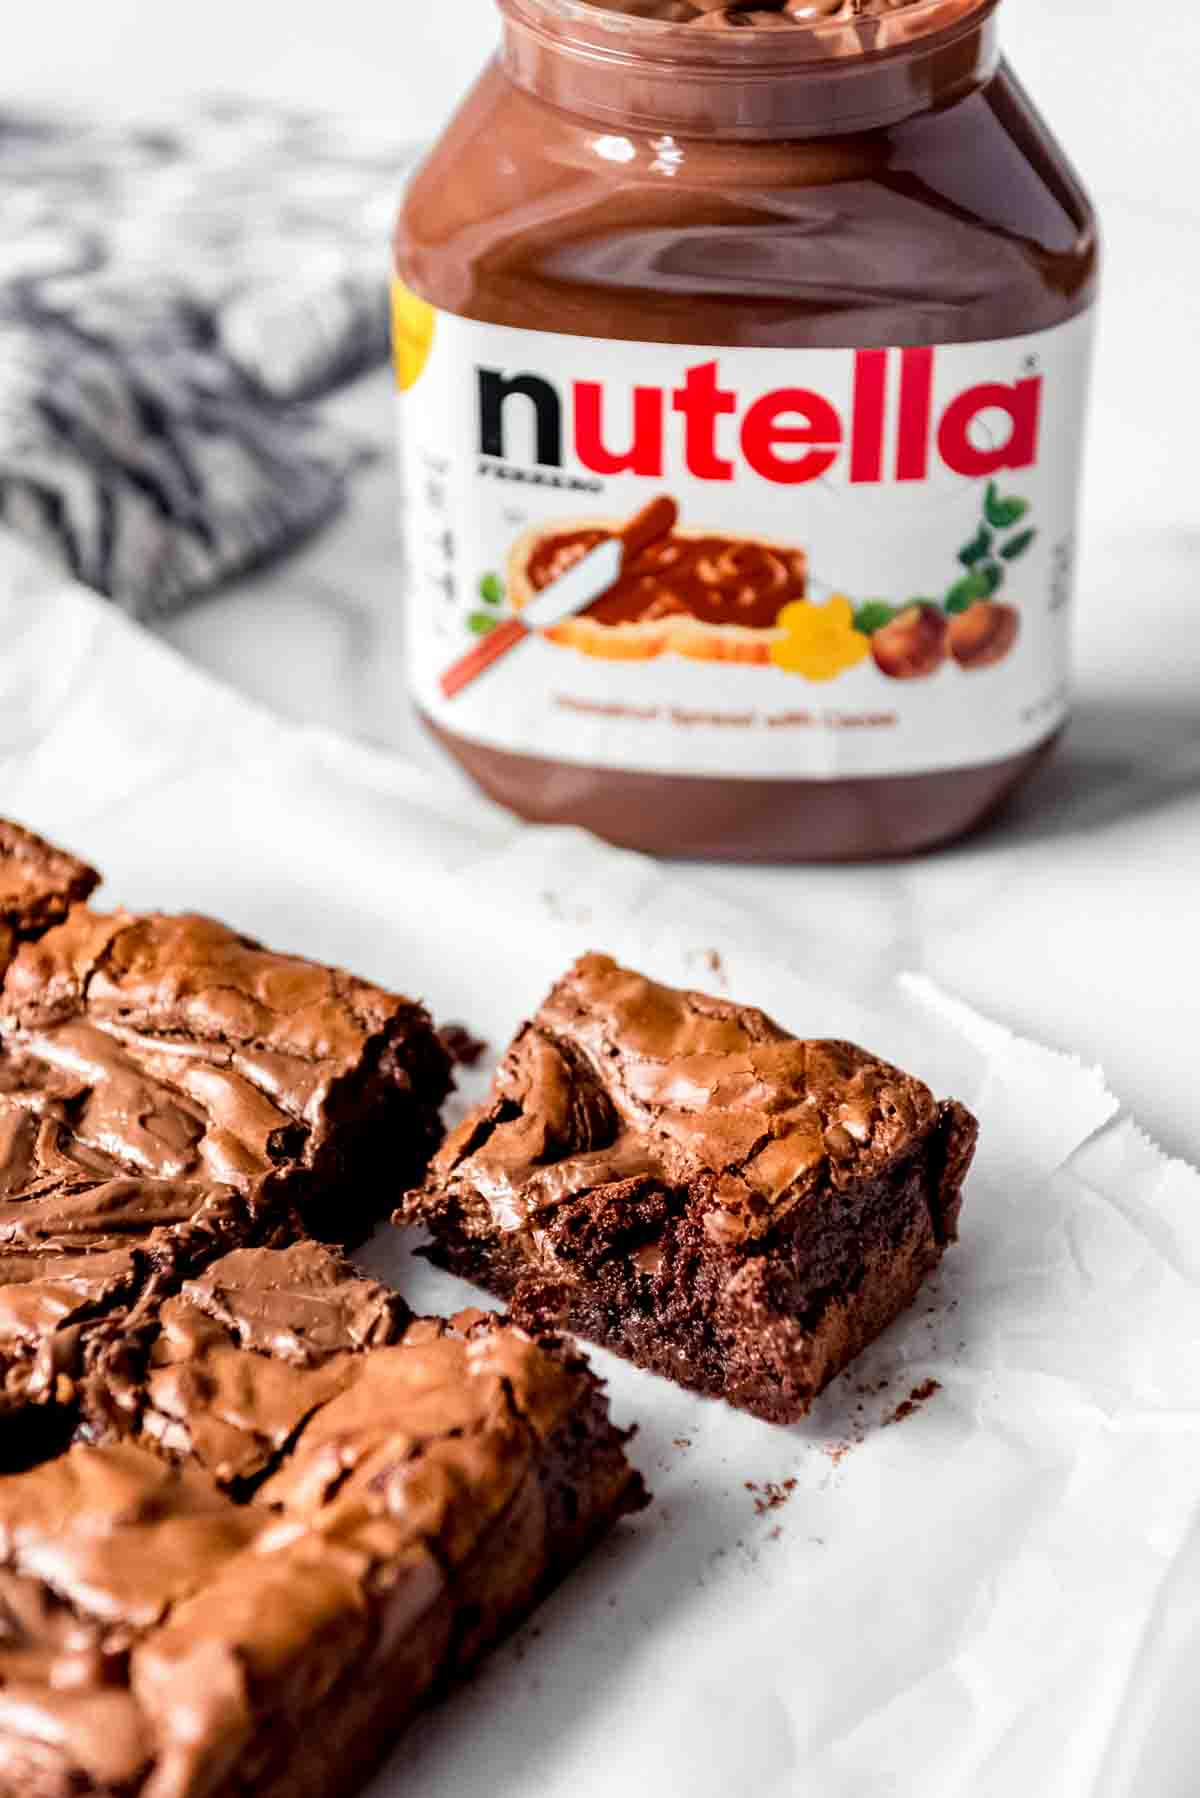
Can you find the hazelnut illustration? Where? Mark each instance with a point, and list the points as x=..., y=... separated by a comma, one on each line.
x=913, y=645
x=984, y=634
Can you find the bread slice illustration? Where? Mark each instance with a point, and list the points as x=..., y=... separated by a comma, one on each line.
x=693, y=592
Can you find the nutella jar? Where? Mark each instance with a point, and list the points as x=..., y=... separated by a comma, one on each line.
x=744, y=359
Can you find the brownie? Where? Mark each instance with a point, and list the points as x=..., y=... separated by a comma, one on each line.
x=228, y=1367
x=38, y=886
x=255, y=1512
x=182, y=1050
x=95, y=1220
x=675, y=1177
x=121, y=1253
x=307, y=1532
x=170, y=1091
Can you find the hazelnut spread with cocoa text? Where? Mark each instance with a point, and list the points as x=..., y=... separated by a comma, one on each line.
x=743, y=353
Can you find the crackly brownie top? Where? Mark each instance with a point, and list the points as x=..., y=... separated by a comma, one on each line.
x=151, y=1067
x=191, y=976
x=246, y=1351
x=97, y=1546
x=71, y=1256
x=301, y=1304
x=93, y=1195
x=265, y=1341
x=146, y=1617
x=619, y=1078
x=38, y=884
x=183, y=1050
x=100, y=1186
x=437, y=1432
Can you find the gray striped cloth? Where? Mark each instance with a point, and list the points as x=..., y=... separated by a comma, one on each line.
x=174, y=302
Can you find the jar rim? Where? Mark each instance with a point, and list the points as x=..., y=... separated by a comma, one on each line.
x=845, y=42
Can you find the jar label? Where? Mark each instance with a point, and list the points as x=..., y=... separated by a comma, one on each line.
x=758, y=562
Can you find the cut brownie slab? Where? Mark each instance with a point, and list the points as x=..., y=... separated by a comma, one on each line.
x=291, y=1511
x=174, y=1628
x=38, y=886
x=176, y=1048
x=677, y=1178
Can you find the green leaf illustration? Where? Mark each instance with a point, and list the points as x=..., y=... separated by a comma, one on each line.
x=872, y=615
x=964, y=593
x=994, y=574
x=1016, y=546
x=979, y=547
x=1000, y=513
x=482, y=622
x=491, y=590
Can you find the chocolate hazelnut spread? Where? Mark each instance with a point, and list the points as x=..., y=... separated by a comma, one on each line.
x=715, y=579
x=816, y=278
x=768, y=15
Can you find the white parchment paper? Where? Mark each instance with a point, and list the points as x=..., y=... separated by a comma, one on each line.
x=996, y=1593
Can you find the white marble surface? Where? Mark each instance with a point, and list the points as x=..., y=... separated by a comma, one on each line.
x=1077, y=921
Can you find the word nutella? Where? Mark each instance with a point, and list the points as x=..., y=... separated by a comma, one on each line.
x=773, y=426
x=741, y=473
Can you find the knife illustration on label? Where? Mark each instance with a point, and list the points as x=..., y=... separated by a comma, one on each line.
x=572, y=593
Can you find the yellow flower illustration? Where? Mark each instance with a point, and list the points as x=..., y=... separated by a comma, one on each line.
x=820, y=642
x=413, y=322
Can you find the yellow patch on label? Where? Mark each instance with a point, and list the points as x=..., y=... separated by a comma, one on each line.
x=819, y=642
x=413, y=325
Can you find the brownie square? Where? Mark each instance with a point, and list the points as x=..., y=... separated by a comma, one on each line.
x=169, y=1090
x=98, y=1221
x=675, y=1177
x=38, y=886
x=258, y=1602
x=224, y=1371
x=184, y=1051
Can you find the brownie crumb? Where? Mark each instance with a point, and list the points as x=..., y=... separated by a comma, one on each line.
x=714, y=965
x=919, y=1396
x=465, y=1049
x=770, y=1496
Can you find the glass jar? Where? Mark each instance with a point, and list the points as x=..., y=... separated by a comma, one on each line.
x=744, y=380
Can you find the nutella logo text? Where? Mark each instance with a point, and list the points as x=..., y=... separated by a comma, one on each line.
x=788, y=436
